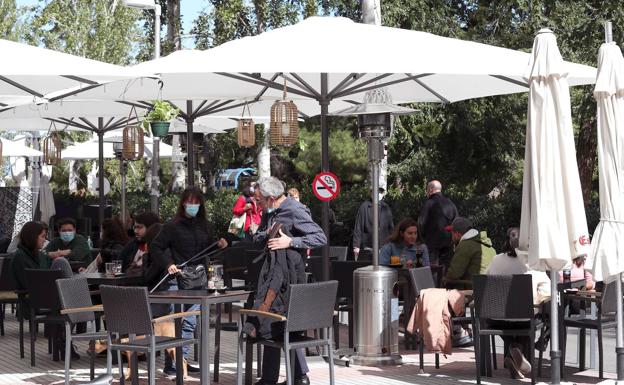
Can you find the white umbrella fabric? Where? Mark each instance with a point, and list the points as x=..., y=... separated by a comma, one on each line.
x=11, y=148
x=553, y=227
x=606, y=259
x=90, y=149
x=46, y=199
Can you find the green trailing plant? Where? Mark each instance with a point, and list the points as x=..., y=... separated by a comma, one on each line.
x=162, y=111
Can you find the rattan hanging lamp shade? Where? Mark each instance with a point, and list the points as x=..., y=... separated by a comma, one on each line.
x=52, y=149
x=284, y=129
x=133, y=139
x=246, y=130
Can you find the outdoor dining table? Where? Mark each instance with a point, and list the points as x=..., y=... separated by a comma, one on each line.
x=97, y=279
x=204, y=299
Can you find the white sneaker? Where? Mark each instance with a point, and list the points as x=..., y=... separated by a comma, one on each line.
x=523, y=365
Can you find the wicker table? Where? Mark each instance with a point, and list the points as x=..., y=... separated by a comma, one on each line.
x=204, y=299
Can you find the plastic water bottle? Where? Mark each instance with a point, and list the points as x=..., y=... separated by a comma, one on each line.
x=89, y=242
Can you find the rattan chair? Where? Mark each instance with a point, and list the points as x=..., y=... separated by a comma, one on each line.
x=310, y=307
x=604, y=319
x=508, y=301
x=127, y=312
x=7, y=289
x=45, y=306
x=342, y=271
x=77, y=307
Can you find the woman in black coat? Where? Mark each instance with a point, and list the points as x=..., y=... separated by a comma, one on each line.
x=113, y=240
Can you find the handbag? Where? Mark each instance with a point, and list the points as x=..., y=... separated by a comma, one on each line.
x=192, y=278
x=237, y=224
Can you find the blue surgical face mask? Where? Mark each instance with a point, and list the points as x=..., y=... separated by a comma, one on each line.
x=191, y=209
x=68, y=236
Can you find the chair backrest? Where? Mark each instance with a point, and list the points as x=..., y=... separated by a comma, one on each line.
x=41, y=287
x=74, y=293
x=342, y=271
x=339, y=252
x=366, y=255
x=315, y=265
x=311, y=305
x=421, y=278
x=503, y=296
x=7, y=281
x=609, y=299
x=127, y=310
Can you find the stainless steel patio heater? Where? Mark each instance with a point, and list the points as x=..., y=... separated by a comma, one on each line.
x=118, y=149
x=376, y=304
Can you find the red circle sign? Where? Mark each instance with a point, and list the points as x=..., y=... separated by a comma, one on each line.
x=326, y=186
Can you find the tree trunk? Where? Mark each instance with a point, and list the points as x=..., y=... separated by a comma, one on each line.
x=173, y=24
x=586, y=155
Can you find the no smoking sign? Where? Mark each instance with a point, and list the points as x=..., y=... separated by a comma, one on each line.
x=326, y=186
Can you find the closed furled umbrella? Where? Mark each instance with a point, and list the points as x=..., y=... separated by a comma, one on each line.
x=606, y=259
x=46, y=199
x=553, y=227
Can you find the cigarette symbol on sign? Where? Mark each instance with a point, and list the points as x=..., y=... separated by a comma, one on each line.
x=329, y=184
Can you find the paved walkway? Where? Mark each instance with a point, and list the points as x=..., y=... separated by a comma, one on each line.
x=456, y=368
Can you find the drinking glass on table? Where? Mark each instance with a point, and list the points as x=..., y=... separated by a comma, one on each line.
x=110, y=268
x=117, y=263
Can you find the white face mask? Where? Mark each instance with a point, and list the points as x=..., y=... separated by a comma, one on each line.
x=381, y=196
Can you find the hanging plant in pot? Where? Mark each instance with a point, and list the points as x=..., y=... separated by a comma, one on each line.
x=159, y=117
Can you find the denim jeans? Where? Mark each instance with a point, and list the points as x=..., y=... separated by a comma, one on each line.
x=188, y=323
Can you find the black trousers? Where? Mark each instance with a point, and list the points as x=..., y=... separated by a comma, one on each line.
x=271, y=364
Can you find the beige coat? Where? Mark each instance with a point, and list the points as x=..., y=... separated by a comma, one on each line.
x=431, y=318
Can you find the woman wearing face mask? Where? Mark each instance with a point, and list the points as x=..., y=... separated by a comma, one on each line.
x=403, y=243
x=187, y=234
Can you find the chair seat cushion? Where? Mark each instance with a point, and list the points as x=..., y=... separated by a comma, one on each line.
x=588, y=321
x=90, y=336
x=143, y=344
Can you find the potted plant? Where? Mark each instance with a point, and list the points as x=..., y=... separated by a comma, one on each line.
x=159, y=117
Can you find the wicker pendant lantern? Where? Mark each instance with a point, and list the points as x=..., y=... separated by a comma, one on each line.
x=133, y=142
x=284, y=122
x=246, y=130
x=52, y=147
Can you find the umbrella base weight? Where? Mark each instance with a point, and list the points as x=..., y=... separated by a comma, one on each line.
x=388, y=360
x=555, y=367
x=620, y=364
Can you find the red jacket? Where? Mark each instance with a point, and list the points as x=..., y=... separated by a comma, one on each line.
x=253, y=214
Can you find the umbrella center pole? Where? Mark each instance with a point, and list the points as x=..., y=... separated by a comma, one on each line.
x=555, y=353
x=123, y=167
x=375, y=156
x=154, y=185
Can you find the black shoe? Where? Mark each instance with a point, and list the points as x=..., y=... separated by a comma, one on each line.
x=263, y=382
x=303, y=380
x=74, y=353
x=192, y=369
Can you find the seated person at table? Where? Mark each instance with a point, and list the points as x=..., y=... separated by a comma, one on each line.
x=473, y=253
x=113, y=240
x=403, y=244
x=132, y=253
x=72, y=246
x=509, y=263
x=29, y=256
x=578, y=273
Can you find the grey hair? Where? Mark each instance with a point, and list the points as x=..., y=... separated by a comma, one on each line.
x=434, y=185
x=271, y=187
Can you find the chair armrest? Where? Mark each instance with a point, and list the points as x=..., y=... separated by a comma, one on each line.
x=259, y=313
x=82, y=309
x=582, y=298
x=94, y=292
x=589, y=293
x=176, y=315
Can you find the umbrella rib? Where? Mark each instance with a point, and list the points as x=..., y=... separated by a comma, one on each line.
x=355, y=89
x=347, y=81
x=70, y=122
x=87, y=122
x=304, y=84
x=206, y=110
x=510, y=80
x=265, y=88
x=74, y=92
x=199, y=107
x=248, y=78
x=20, y=86
x=109, y=122
x=219, y=109
x=359, y=87
x=431, y=90
x=80, y=79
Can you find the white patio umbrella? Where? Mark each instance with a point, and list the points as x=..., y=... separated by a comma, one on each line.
x=11, y=148
x=38, y=72
x=553, y=228
x=606, y=259
x=90, y=148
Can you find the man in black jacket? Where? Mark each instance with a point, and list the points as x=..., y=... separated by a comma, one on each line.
x=363, y=229
x=437, y=213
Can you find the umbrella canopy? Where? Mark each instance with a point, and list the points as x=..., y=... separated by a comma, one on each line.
x=553, y=228
x=607, y=253
x=11, y=148
x=40, y=72
x=90, y=149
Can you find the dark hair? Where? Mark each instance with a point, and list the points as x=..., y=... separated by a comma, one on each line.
x=29, y=235
x=511, y=242
x=66, y=221
x=146, y=218
x=112, y=230
x=396, y=235
x=151, y=233
x=192, y=193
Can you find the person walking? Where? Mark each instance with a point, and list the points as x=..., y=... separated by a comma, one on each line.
x=246, y=205
x=283, y=265
x=436, y=214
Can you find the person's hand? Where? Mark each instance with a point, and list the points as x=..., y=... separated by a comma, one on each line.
x=248, y=206
x=356, y=252
x=264, y=307
x=409, y=263
x=64, y=253
x=98, y=259
x=82, y=269
x=222, y=243
x=173, y=269
x=282, y=242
